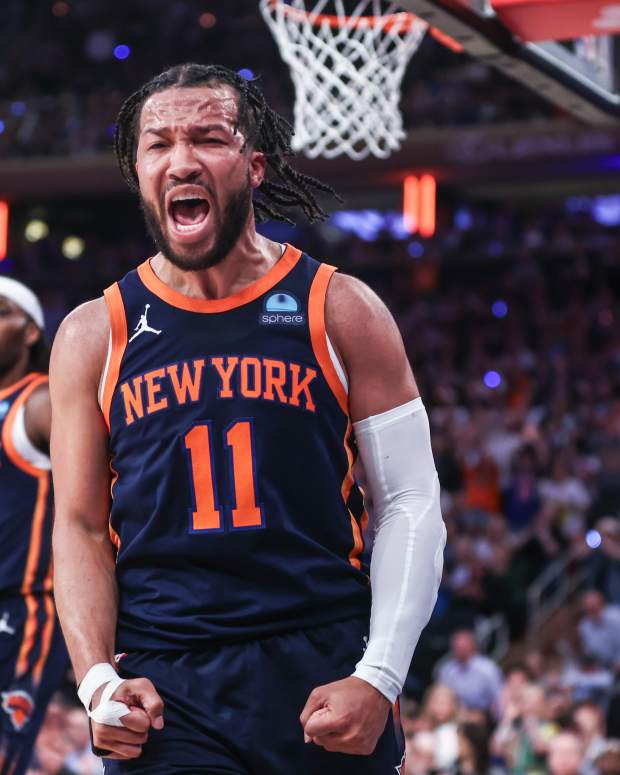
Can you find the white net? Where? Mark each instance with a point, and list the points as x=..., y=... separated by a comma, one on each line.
x=347, y=70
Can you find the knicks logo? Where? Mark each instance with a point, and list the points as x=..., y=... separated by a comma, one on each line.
x=281, y=308
x=18, y=705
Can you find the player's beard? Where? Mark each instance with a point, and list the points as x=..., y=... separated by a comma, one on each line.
x=228, y=224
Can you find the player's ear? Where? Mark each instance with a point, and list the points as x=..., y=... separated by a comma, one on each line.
x=258, y=162
x=32, y=333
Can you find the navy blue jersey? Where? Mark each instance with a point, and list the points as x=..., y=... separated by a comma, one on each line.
x=234, y=507
x=25, y=504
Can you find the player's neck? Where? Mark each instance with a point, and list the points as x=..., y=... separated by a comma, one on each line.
x=15, y=372
x=251, y=258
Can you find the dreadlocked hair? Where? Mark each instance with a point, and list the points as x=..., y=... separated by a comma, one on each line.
x=266, y=131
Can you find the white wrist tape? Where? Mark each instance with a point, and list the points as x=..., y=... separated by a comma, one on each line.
x=409, y=537
x=108, y=711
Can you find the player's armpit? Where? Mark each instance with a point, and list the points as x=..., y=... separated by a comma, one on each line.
x=84, y=582
x=369, y=344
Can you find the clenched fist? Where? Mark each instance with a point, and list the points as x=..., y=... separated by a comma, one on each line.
x=346, y=716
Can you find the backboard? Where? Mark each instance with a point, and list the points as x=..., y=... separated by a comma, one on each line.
x=579, y=74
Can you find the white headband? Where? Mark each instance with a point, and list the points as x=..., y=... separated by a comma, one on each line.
x=19, y=294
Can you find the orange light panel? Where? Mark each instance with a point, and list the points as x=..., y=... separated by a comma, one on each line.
x=411, y=203
x=4, y=228
x=428, y=205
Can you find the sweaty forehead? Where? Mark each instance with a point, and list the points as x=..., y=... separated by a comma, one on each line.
x=187, y=106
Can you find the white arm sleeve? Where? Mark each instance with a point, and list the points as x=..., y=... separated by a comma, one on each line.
x=409, y=538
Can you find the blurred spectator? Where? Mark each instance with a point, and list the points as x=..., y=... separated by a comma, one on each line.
x=475, y=679
x=599, y=629
x=523, y=734
x=565, y=755
x=439, y=712
x=603, y=566
x=589, y=722
x=587, y=679
x=608, y=761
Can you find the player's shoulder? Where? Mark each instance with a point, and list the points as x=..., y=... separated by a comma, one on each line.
x=82, y=338
x=353, y=311
x=89, y=320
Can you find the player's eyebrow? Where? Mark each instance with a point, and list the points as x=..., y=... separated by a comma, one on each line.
x=201, y=129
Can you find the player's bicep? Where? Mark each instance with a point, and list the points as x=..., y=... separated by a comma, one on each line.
x=79, y=439
x=370, y=345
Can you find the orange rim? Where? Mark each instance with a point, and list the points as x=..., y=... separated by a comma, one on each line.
x=404, y=21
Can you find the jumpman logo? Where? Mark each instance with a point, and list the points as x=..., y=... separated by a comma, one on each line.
x=4, y=624
x=143, y=326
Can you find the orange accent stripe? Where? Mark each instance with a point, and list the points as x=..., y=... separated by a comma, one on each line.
x=7, y=391
x=30, y=631
x=114, y=537
x=347, y=485
x=7, y=430
x=32, y=562
x=358, y=544
x=318, y=333
x=277, y=272
x=411, y=203
x=118, y=327
x=428, y=205
x=318, y=337
x=4, y=228
x=46, y=640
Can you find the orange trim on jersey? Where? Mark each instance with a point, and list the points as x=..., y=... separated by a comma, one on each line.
x=318, y=337
x=7, y=391
x=118, y=327
x=318, y=333
x=347, y=485
x=30, y=631
x=34, y=381
x=277, y=272
x=114, y=537
x=30, y=573
x=358, y=544
x=46, y=639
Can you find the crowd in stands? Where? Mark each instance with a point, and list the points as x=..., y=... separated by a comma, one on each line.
x=75, y=45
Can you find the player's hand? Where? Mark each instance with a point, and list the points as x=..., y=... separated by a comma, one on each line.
x=346, y=716
x=146, y=710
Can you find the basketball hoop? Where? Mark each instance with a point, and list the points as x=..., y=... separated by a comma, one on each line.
x=347, y=70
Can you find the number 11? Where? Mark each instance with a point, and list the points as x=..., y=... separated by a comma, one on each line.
x=239, y=438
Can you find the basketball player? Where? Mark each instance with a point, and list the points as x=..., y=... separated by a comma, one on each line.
x=32, y=652
x=222, y=390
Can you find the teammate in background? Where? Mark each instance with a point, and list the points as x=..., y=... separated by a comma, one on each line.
x=32, y=652
x=223, y=390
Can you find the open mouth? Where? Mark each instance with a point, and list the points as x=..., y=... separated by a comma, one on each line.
x=188, y=213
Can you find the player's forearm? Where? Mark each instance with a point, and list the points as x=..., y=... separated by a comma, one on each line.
x=86, y=594
x=409, y=539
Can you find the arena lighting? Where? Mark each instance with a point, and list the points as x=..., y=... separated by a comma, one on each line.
x=207, y=20
x=122, y=51
x=492, y=379
x=246, y=73
x=36, y=230
x=593, y=539
x=72, y=247
x=499, y=309
x=1, y=126
x=420, y=204
x=60, y=9
x=4, y=228
x=415, y=249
